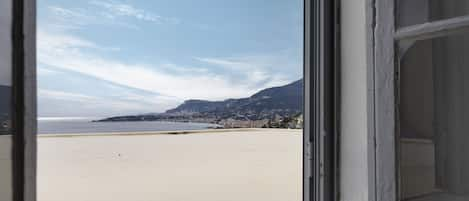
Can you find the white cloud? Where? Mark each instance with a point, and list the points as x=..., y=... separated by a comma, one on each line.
x=66, y=19
x=42, y=71
x=77, y=18
x=68, y=13
x=60, y=95
x=165, y=85
x=257, y=71
x=170, y=67
x=53, y=102
x=63, y=41
x=228, y=63
x=101, y=13
x=66, y=52
x=116, y=9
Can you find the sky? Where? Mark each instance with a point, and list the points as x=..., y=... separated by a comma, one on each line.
x=99, y=58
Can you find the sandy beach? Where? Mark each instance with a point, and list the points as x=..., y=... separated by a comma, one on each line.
x=240, y=165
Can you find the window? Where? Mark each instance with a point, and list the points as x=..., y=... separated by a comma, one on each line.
x=432, y=97
x=319, y=177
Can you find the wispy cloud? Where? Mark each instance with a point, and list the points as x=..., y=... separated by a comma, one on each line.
x=101, y=12
x=57, y=102
x=64, y=19
x=135, y=86
x=69, y=14
x=68, y=18
x=114, y=9
x=256, y=70
x=42, y=71
x=60, y=95
x=66, y=42
x=69, y=52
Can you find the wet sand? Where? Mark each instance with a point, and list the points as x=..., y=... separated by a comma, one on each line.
x=215, y=165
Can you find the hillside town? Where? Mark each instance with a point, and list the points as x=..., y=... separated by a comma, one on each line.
x=276, y=107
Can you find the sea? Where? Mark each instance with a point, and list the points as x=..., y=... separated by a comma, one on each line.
x=73, y=125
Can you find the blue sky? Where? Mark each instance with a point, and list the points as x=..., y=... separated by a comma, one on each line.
x=108, y=57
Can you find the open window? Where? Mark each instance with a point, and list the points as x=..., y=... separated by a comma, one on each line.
x=18, y=101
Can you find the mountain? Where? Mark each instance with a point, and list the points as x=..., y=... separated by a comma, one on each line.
x=277, y=100
x=266, y=107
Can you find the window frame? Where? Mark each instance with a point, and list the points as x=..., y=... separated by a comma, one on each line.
x=386, y=56
x=24, y=99
x=321, y=106
x=384, y=101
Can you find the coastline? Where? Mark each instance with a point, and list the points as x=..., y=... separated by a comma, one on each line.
x=178, y=132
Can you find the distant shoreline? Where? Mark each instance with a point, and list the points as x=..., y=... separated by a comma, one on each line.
x=163, y=121
x=143, y=133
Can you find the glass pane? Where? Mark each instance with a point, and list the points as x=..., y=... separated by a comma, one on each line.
x=412, y=12
x=434, y=120
x=5, y=101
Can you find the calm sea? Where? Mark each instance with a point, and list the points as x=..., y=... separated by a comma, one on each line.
x=84, y=125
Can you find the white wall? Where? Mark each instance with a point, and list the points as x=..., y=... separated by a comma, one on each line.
x=354, y=161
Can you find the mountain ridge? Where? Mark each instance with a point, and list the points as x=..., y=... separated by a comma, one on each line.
x=267, y=105
x=288, y=97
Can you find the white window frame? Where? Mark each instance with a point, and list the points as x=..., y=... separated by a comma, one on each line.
x=386, y=82
x=384, y=103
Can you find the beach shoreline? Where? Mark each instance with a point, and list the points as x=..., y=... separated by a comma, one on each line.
x=178, y=132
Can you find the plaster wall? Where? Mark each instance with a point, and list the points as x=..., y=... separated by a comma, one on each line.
x=354, y=172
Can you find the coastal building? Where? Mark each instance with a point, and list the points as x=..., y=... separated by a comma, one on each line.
x=386, y=116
